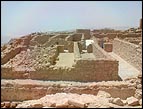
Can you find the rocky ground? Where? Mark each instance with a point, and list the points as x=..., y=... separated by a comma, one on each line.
x=69, y=100
x=72, y=99
x=37, y=58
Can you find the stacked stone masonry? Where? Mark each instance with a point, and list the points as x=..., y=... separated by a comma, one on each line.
x=21, y=90
x=98, y=69
x=85, y=31
x=58, y=64
x=108, y=47
x=99, y=52
x=128, y=52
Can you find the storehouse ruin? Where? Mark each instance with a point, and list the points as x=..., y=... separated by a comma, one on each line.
x=96, y=65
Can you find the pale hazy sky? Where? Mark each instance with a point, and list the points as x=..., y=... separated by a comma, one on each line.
x=23, y=17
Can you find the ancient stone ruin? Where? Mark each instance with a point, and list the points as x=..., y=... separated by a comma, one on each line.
x=80, y=69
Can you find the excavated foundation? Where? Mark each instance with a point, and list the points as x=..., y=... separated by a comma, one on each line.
x=20, y=90
x=39, y=69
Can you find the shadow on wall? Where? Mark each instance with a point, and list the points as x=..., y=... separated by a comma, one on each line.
x=119, y=78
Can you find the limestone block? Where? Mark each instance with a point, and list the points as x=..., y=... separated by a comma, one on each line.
x=37, y=105
x=138, y=94
x=140, y=101
x=49, y=104
x=30, y=104
x=118, y=101
x=2, y=104
x=62, y=105
x=139, y=86
x=7, y=104
x=46, y=107
x=132, y=101
x=124, y=102
x=23, y=106
x=13, y=105
x=76, y=103
x=71, y=106
x=103, y=94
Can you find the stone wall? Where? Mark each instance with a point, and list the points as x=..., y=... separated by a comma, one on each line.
x=63, y=36
x=96, y=35
x=89, y=48
x=54, y=41
x=60, y=48
x=128, y=52
x=83, y=70
x=21, y=90
x=76, y=36
x=26, y=40
x=127, y=35
x=69, y=38
x=114, y=35
x=108, y=35
x=40, y=39
x=99, y=52
x=76, y=50
x=102, y=68
x=111, y=35
x=97, y=70
x=108, y=47
x=14, y=73
x=70, y=46
x=11, y=54
x=86, y=33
